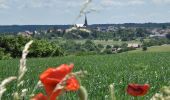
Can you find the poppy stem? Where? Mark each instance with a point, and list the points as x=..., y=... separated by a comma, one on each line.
x=83, y=95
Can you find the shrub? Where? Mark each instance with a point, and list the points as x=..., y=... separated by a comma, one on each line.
x=43, y=48
x=90, y=46
x=107, y=51
x=108, y=46
x=124, y=39
x=144, y=48
x=3, y=55
x=12, y=45
x=100, y=46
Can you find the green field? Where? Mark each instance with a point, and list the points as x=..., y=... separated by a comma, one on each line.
x=109, y=42
x=121, y=69
x=163, y=48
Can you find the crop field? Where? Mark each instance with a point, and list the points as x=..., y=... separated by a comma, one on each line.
x=163, y=48
x=103, y=70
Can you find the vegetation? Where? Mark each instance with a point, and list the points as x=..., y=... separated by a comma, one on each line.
x=144, y=48
x=156, y=42
x=19, y=28
x=163, y=48
x=143, y=68
x=11, y=46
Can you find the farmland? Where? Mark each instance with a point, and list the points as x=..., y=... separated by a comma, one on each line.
x=121, y=69
x=163, y=48
x=109, y=42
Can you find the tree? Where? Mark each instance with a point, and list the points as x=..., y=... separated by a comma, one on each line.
x=168, y=36
x=144, y=48
x=89, y=45
x=108, y=47
x=100, y=46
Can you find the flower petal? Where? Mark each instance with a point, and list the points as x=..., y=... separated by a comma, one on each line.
x=137, y=89
x=72, y=84
x=52, y=76
x=39, y=96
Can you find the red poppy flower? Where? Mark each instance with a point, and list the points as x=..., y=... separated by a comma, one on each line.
x=52, y=76
x=137, y=89
x=39, y=96
x=72, y=84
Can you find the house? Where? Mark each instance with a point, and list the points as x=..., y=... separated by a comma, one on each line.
x=79, y=25
x=158, y=35
x=26, y=34
x=133, y=45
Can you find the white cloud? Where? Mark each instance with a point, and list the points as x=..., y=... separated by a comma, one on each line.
x=122, y=2
x=39, y=3
x=136, y=2
x=161, y=1
x=3, y=4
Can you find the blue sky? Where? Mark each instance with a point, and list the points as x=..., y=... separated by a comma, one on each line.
x=24, y=12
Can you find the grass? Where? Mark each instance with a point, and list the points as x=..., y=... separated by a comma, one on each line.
x=109, y=42
x=121, y=69
x=163, y=48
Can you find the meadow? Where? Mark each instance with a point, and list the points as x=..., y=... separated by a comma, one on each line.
x=121, y=69
x=109, y=42
x=162, y=48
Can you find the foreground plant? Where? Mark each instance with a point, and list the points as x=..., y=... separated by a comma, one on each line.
x=137, y=89
x=22, y=70
x=112, y=94
x=4, y=83
x=40, y=96
x=164, y=94
x=58, y=80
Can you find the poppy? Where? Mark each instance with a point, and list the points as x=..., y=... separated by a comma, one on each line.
x=39, y=96
x=137, y=89
x=52, y=76
x=72, y=84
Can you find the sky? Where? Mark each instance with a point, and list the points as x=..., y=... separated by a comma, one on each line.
x=55, y=12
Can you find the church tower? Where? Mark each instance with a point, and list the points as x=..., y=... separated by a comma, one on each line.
x=85, y=22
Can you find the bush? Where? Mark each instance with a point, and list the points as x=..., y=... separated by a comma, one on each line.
x=3, y=55
x=116, y=46
x=108, y=47
x=124, y=45
x=100, y=46
x=124, y=39
x=43, y=48
x=13, y=45
x=144, y=48
x=90, y=46
x=107, y=51
x=168, y=36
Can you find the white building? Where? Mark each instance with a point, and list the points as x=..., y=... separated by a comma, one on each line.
x=133, y=45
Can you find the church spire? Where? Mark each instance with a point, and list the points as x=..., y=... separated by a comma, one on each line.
x=85, y=22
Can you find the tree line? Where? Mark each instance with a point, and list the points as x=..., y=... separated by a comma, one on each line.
x=11, y=47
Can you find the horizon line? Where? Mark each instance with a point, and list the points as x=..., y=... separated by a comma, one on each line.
x=89, y=24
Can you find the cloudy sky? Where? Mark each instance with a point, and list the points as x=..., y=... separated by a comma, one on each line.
x=66, y=11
